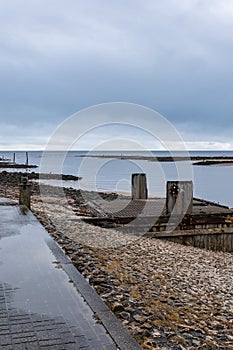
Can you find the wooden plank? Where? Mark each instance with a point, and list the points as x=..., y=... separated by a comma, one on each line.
x=204, y=232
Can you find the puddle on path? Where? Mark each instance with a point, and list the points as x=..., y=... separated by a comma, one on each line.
x=27, y=263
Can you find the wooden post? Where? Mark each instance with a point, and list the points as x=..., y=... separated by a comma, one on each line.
x=25, y=192
x=14, y=158
x=139, y=187
x=26, y=158
x=179, y=199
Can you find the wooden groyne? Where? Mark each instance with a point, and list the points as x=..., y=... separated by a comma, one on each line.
x=179, y=218
x=216, y=241
x=213, y=232
x=208, y=231
x=8, y=163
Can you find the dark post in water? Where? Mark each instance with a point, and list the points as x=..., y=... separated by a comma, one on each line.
x=25, y=192
x=139, y=187
x=26, y=163
x=179, y=199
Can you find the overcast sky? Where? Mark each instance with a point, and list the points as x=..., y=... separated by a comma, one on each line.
x=60, y=56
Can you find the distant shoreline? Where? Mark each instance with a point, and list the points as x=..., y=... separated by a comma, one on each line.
x=16, y=166
x=219, y=162
x=197, y=160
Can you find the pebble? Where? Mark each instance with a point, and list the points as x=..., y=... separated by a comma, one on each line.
x=177, y=297
x=168, y=295
x=117, y=307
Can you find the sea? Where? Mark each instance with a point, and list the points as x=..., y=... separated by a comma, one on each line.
x=109, y=174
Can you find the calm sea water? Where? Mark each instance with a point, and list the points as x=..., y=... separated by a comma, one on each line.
x=105, y=174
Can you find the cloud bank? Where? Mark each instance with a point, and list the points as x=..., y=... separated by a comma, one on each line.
x=57, y=57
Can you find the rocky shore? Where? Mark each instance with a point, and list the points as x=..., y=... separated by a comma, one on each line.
x=168, y=295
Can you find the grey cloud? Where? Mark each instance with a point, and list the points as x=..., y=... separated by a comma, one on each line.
x=57, y=57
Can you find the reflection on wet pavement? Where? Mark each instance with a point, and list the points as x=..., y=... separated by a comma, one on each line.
x=36, y=292
x=24, y=330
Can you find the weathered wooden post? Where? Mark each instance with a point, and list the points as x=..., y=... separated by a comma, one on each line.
x=26, y=163
x=179, y=199
x=25, y=192
x=139, y=187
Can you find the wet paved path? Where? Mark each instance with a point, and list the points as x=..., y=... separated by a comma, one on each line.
x=41, y=294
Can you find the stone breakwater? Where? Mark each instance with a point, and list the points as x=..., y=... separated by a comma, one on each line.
x=168, y=295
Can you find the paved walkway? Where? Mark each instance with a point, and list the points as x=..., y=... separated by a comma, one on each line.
x=45, y=303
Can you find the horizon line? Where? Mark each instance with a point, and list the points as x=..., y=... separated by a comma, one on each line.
x=116, y=150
